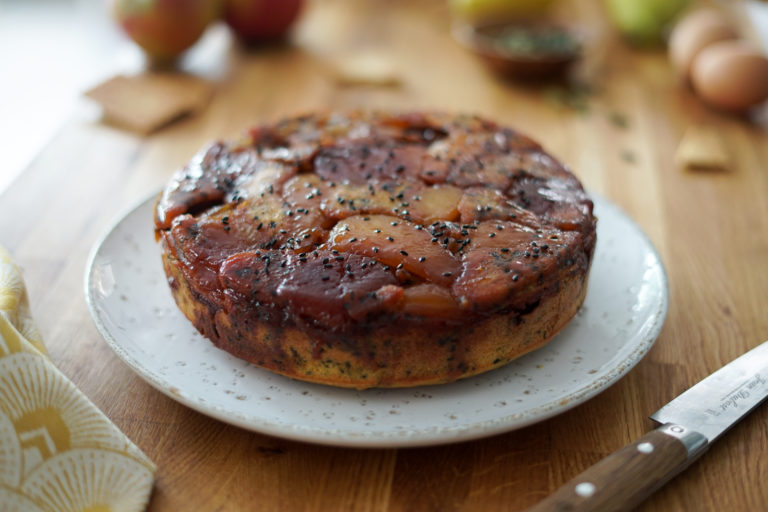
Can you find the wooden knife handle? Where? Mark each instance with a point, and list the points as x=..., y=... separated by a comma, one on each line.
x=625, y=478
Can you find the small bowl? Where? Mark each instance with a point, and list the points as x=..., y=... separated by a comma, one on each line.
x=533, y=51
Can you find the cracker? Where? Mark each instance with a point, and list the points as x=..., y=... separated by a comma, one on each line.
x=702, y=148
x=146, y=102
x=367, y=68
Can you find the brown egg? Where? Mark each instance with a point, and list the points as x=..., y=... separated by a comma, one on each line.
x=731, y=75
x=693, y=33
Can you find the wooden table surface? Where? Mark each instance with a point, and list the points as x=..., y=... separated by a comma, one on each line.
x=618, y=132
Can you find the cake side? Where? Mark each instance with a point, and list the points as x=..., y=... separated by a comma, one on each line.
x=383, y=356
x=377, y=250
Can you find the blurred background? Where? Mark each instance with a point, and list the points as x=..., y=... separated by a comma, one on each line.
x=51, y=51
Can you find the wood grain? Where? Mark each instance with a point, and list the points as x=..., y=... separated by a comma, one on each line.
x=623, y=479
x=710, y=228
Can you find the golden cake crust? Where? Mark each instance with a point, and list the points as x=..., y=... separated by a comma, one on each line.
x=288, y=262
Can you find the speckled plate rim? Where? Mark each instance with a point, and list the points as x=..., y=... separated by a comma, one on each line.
x=644, y=339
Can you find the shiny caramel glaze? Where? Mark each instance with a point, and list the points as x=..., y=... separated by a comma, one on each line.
x=338, y=226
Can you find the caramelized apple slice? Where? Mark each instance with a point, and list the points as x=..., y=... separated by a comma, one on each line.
x=303, y=199
x=380, y=198
x=513, y=259
x=487, y=278
x=413, y=201
x=315, y=287
x=361, y=161
x=429, y=300
x=395, y=242
x=571, y=207
x=267, y=177
x=506, y=236
x=305, y=191
x=439, y=202
x=205, y=181
x=480, y=203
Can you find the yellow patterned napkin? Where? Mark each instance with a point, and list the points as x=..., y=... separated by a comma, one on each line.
x=58, y=452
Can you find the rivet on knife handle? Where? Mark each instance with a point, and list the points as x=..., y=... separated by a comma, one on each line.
x=628, y=476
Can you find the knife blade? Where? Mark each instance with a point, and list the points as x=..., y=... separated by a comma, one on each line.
x=689, y=423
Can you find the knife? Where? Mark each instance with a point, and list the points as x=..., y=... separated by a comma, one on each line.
x=689, y=424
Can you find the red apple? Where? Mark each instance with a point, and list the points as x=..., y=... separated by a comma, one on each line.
x=165, y=28
x=261, y=20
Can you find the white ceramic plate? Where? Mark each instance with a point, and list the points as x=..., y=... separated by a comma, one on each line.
x=133, y=309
